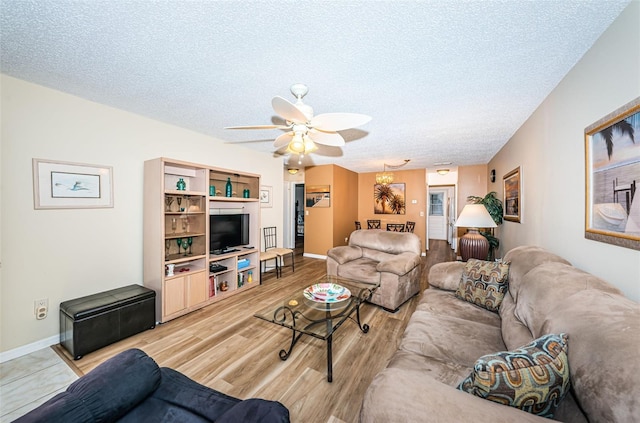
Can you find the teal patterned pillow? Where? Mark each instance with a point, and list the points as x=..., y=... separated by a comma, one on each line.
x=484, y=283
x=533, y=378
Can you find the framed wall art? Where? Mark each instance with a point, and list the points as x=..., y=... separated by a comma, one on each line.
x=266, y=196
x=66, y=185
x=389, y=199
x=512, y=195
x=318, y=196
x=612, y=165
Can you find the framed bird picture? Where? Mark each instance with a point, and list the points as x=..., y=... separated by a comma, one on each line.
x=65, y=185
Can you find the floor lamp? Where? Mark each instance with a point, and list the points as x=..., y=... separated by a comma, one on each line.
x=473, y=244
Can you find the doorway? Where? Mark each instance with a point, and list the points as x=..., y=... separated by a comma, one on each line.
x=441, y=214
x=298, y=220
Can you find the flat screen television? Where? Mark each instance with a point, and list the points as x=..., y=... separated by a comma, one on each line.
x=227, y=231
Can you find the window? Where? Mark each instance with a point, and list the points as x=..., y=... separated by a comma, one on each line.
x=436, y=201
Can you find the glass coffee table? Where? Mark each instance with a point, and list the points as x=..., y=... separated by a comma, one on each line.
x=319, y=311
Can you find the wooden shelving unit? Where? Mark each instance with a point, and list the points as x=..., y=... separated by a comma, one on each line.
x=173, y=215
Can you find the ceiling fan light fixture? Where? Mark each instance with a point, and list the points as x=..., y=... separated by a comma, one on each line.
x=297, y=144
x=442, y=171
x=309, y=145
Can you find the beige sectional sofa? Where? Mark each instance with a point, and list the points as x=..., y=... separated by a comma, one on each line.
x=373, y=255
x=446, y=335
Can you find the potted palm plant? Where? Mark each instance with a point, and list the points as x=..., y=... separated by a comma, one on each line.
x=494, y=207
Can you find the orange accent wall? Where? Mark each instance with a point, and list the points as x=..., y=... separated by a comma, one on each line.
x=415, y=189
x=326, y=227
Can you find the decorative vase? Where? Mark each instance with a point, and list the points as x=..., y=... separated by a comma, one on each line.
x=181, y=184
x=245, y=193
x=212, y=190
x=228, y=189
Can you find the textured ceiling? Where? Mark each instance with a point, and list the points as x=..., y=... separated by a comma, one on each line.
x=444, y=81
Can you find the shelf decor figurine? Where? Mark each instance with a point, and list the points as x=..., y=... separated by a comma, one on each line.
x=181, y=184
x=228, y=188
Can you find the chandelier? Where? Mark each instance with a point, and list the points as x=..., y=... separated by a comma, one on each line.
x=386, y=178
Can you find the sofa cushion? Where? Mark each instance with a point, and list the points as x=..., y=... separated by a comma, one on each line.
x=64, y=407
x=514, y=332
x=385, y=241
x=362, y=269
x=523, y=259
x=604, y=329
x=548, y=287
x=138, y=377
x=483, y=283
x=399, y=264
x=345, y=253
x=256, y=410
x=533, y=378
x=446, y=275
x=458, y=332
x=406, y=395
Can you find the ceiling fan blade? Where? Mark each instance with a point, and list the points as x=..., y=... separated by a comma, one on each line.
x=326, y=138
x=258, y=127
x=338, y=121
x=283, y=140
x=288, y=110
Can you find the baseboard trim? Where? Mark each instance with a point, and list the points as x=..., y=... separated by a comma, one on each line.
x=316, y=256
x=29, y=348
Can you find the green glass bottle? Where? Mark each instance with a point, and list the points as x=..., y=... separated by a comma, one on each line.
x=227, y=188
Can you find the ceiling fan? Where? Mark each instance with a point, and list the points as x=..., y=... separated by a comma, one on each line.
x=305, y=129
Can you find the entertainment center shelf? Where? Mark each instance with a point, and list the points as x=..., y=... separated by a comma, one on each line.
x=186, y=232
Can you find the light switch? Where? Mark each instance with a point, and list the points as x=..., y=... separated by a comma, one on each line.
x=414, y=201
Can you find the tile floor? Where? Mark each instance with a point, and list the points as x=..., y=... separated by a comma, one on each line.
x=28, y=381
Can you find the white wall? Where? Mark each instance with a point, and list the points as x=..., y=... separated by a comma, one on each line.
x=550, y=149
x=64, y=254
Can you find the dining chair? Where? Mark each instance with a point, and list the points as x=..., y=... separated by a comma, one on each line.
x=271, y=245
x=410, y=226
x=373, y=224
x=395, y=227
x=265, y=256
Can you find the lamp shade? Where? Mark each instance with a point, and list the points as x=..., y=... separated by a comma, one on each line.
x=475, y=216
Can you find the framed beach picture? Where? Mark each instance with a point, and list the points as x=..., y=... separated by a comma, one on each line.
x=612, y=165
x=318, y=196
x=512, y=190
x=389, y=199
x=66, y=185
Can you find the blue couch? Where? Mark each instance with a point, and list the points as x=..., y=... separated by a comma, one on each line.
x=130, y=387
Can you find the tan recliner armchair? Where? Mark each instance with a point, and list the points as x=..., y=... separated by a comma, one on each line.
x=390, y=258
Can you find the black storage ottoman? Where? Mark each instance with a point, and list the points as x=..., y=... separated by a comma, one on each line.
x=92, y=322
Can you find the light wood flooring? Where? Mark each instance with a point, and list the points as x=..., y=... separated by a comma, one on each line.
x=224, y=347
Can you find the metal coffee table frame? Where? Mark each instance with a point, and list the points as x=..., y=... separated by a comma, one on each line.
x=317, y=319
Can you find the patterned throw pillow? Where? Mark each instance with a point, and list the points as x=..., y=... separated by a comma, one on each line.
x=533, y=378
x=484, y=283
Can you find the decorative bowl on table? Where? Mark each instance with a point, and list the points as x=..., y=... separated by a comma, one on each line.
x=326, y=293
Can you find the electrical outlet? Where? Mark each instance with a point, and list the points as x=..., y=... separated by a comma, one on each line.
x=41, y=308
x=346, y=239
